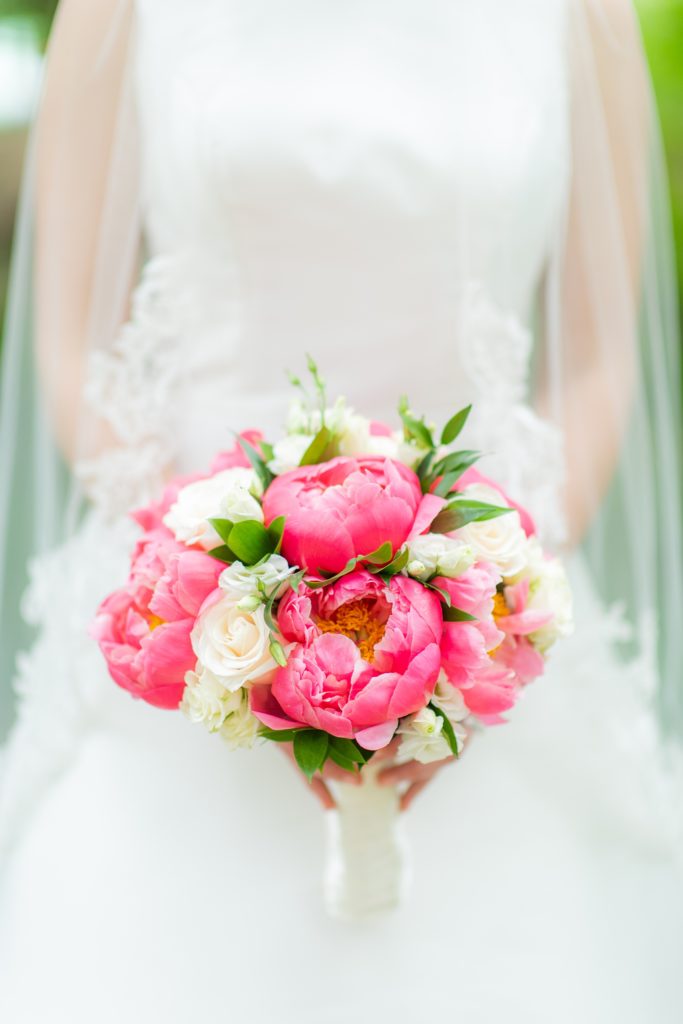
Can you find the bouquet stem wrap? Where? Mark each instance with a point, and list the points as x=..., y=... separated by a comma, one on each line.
x=367, y=869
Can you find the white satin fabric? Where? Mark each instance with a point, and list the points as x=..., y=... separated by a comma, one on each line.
x=376, y=183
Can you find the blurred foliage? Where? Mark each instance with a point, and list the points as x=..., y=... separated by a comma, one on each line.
x=662, y=26
x=40, y=12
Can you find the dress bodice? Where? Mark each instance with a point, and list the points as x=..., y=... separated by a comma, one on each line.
x=374, y=183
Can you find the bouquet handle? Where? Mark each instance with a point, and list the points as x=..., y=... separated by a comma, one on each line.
x=367, y=870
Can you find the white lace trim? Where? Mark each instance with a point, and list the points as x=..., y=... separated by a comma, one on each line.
x=132, y=387
x=495, y=350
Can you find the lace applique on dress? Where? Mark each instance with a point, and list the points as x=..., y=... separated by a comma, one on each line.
x=131, y=387
x=495, y=351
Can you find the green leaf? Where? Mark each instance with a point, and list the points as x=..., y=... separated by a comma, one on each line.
x=396, y=565
x=442, y=593
x=451, y=469
x=317, y=584
x=458, y=615
x=348, y=749
x=277, y=652
x=275, y=532
x=257, y=463
x=424, y=464
x=448, y=730
x=463, y=511
x=343, y=762
x=310, y=750
x=278, y=735
x=223, y=528
x=380, y=556
x=250, y=541
x=414, y=428
x=268, y=611
x=295, y=579
x=455, y=425
x=317, y=449
x=223, y=553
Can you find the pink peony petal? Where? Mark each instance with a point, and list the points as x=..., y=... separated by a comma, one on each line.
x=377, y=736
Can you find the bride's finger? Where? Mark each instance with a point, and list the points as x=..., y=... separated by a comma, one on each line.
x=389, y=751
x=331, y=770
x=322, y=793
x=409, y=772
x=411, y=793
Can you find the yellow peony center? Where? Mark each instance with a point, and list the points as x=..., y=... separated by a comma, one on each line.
x=500, y=607
x=500, y=610
x=356, y=620
x=154, y=621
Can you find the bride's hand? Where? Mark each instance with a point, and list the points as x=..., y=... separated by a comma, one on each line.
x=416, y=774
x=318, y=784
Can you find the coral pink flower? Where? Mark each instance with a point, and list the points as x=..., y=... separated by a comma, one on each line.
x=143, y=629
x=487, y=688
x=343, y=508
x=365, y=655
x=494, y=690
x=517, y=652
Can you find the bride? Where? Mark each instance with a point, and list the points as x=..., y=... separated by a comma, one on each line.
x=461, y=201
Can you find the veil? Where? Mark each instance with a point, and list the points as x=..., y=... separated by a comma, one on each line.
x=607, y=361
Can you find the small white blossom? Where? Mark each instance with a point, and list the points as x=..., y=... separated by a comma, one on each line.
x=288, y=452
x=422, y=738
x=450, y=700
x=502, y=540
x=240, y=727
x=434, y=554
x=206, y=701
x=231, y=494
x=256, y=580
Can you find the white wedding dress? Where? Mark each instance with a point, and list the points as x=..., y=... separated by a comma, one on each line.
x=315, y=174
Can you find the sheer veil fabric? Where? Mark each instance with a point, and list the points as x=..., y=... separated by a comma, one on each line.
x=562, y=309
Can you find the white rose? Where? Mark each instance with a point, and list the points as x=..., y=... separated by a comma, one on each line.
x=240, y=727
x=230, y=494
x=434, y=554
x=206, y=701
x=288, y=452
x=422, y=738
x=251, y=580
x=232, y=642
x=501, y=540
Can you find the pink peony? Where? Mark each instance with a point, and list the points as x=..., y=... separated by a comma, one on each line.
x=517, y=652
x=343, y=508
x=143, y=629
x=365, y=655
x=494, y=690
x=488, y=688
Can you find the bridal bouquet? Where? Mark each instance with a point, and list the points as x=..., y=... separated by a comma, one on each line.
x=337, y=588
